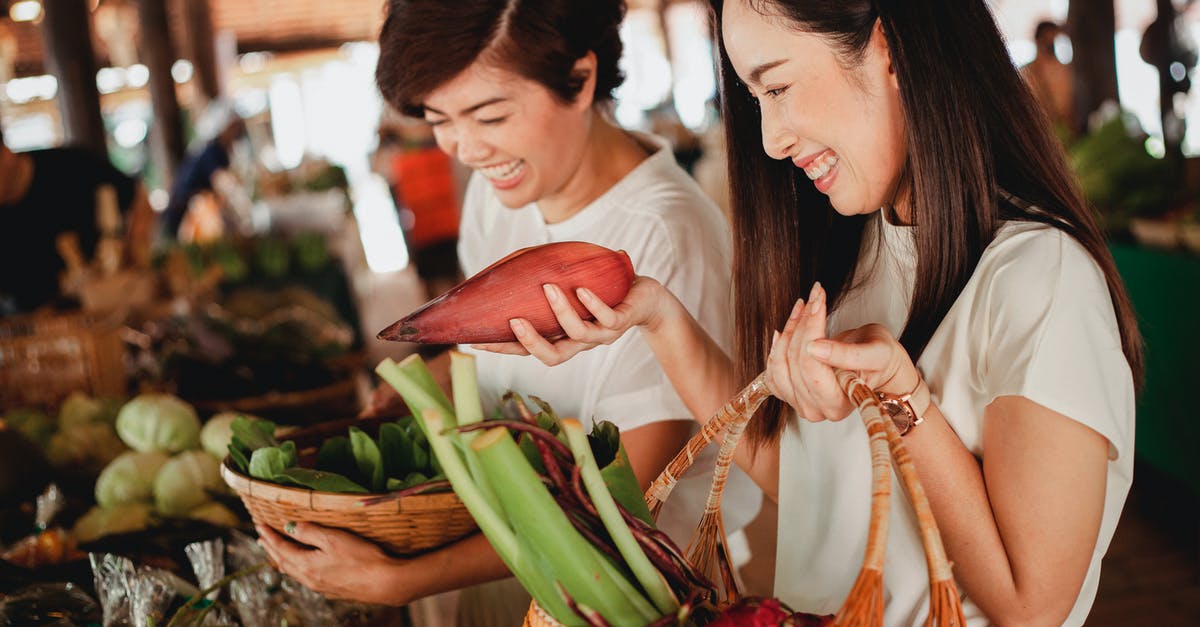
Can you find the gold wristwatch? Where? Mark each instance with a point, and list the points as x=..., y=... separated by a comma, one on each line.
x=899, y=407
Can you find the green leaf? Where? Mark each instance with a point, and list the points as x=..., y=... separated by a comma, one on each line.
x=267, y=463
x=289, y=449
x=412, y=479
x=624, y=487
x=367, y=458
x=396, y=449
x=253, y=434
x=237, y=452
x=605, y=441
x=318, y=480
x=336, y=456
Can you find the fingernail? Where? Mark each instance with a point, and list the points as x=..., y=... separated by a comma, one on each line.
x=551, y=293
x=816, y=289
x=583, y=293
x=820, y=349
x=516, y=326
x=797, y=309
x=290, y=527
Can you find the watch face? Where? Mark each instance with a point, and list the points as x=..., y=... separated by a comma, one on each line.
x=899, y=416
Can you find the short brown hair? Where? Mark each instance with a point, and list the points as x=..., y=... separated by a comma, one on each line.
x=425, y=43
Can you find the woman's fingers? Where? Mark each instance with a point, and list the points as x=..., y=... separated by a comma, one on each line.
x=502, y=348
x=568, y=318
x=819, y=377
x=605, y=316
x=547, y=352
x=870, y=357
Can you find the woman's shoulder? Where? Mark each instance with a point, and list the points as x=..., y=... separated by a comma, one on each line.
x=1033, y=258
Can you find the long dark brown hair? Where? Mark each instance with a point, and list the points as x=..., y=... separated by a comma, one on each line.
x=425, y=43
x=974, y=132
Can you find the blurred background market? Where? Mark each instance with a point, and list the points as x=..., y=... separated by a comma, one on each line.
x=295, y=215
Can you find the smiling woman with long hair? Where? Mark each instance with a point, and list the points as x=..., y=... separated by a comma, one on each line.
x=520, y=91
x=890, y=169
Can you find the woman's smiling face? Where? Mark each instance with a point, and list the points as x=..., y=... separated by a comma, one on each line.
x=839, y=120
x=526, y=142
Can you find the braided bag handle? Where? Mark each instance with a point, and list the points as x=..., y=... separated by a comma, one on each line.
x=864, y=605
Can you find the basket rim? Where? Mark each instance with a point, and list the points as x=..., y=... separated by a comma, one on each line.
x=249, y=487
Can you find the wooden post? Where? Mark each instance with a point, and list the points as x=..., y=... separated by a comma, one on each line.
x=202, y=47
x=159, y=55
x=1092, y=25
x=156, y=52
x=67, y=40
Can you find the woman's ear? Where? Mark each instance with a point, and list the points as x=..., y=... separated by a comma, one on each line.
x=585, y=68
x=880, y=44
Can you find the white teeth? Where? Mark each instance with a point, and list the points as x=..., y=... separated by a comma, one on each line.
x=821, y=167
x=503, y=171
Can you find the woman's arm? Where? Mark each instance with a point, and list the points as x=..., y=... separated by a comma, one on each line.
x=699, y=370
x=342, y=565
x=1021, y=529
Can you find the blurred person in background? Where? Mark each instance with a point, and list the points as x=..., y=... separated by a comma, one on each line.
x=521, y=92
x=424, y=186
x=1052, y=81
x=207, y=173
x=46, y=193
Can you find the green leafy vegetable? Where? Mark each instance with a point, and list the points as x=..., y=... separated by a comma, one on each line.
x=368, y=458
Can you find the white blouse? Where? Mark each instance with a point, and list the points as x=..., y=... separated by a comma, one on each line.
x=1034, y=320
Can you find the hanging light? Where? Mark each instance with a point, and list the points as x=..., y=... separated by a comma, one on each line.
x=25, y=11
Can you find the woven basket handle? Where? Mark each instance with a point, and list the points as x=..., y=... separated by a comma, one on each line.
x=737, y=410
x=944, y=603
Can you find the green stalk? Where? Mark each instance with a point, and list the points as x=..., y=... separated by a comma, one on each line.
x=412, y=379
x=534, y=514
x=647, y=575
x=466, y=391
x=414, y=383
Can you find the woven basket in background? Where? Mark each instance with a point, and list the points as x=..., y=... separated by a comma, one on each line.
x=43, y=358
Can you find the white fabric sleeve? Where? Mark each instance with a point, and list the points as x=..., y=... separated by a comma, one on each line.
x=1052, y=337
x=694, y=268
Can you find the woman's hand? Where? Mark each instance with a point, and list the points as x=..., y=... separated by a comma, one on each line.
x=802, y=362
x=643, y=307
x=335, y=563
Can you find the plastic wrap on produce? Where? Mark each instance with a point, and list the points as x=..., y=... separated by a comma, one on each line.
x=113, y=575
x=152, y=593
x=252, y=594
x=312, y=608
x=208, y=562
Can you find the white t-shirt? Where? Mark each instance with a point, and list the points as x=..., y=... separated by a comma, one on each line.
x=673, y=233
x=1034, y=320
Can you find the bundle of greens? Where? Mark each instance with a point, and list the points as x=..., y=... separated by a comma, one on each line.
x=397, y=460
x=562, y=508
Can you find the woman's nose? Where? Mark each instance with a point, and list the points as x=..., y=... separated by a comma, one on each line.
x=778, y=140
x=471, y=149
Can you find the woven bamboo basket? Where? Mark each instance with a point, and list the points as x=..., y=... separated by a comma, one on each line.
x=43, y=358
x=404, y=526
x=865, y=603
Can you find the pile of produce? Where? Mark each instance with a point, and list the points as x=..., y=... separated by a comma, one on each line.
x=267, y=257
x=167, y=474
x=561, y=507
x=398, y=459
x=78, y=440
x=254, y=342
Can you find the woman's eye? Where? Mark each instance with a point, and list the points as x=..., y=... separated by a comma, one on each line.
x=435, y=122
x=491, y=121
x=775, y=93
